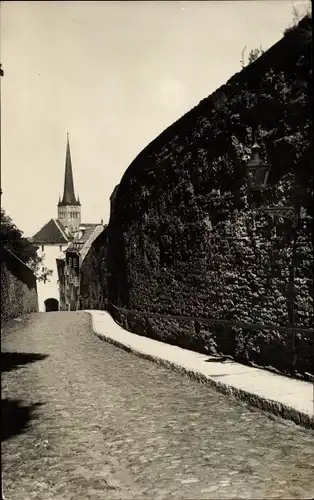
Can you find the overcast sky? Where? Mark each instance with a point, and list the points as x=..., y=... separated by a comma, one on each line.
x=115, y=75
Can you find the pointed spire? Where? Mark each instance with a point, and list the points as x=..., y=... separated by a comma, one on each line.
x=68, y=193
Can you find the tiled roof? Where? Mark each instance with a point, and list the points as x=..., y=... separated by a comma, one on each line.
x=86, y=234
x=52, y=232
x=87, y=238
x=88, y=224
x=98, y=229
x=63, y=229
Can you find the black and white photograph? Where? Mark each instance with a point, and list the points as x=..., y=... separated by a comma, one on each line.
x=157, y=337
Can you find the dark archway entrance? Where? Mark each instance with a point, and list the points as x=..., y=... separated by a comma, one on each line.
x=51, y=305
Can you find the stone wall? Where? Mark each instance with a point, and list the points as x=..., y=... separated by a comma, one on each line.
x=271, y=349
x=187, y=239
x=18, y=287
x=93, y=279
x=97, y=281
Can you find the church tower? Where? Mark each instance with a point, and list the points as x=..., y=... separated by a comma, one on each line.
x=69, y=209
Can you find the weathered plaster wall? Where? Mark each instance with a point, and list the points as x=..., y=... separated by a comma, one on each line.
x=50, y=289
x=18, y=287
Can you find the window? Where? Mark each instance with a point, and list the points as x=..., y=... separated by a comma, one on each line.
x=70, y=261
x=75, y=262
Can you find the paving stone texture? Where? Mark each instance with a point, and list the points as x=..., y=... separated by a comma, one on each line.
x=110, y=425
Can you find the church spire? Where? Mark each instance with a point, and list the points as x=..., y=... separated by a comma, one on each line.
x=68, y=192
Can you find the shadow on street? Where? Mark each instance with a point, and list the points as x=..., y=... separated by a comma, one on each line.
x=15, y=417
x=13, y=360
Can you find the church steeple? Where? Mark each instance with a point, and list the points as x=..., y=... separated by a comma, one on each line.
x=68, y=191
x=69, y=209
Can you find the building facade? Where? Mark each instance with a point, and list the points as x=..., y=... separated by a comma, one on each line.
x=69, y=267
x=55, y=236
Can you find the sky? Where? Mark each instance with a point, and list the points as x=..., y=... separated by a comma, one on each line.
x=113, y=74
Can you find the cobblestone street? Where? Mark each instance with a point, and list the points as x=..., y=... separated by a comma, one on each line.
x=83, y=419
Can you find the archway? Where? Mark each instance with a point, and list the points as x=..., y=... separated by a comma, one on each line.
x=51, y=305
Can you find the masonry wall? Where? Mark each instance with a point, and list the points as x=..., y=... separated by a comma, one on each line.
x=93, y=274
x=187, y=239
x=18, y=287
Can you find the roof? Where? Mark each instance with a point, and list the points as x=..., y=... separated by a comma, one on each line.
x=52, y=232
x=88, y=224
x=86, y=234
x=85, y=241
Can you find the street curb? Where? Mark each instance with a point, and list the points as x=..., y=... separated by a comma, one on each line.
x=268, y=405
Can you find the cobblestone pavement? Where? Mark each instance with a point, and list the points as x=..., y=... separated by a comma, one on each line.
x=104, y=424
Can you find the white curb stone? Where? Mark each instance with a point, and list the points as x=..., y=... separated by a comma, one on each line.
x=283, y=396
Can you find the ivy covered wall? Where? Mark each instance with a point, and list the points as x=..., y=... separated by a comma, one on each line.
x=18, y=287
x=188, y=240
x=93, y=279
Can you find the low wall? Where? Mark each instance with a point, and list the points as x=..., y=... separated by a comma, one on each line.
x=18, y=287
x=287, y=352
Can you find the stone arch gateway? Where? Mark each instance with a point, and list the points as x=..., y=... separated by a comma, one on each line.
x=51, y=305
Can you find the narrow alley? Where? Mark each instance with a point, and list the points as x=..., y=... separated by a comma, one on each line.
x=83, y=419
